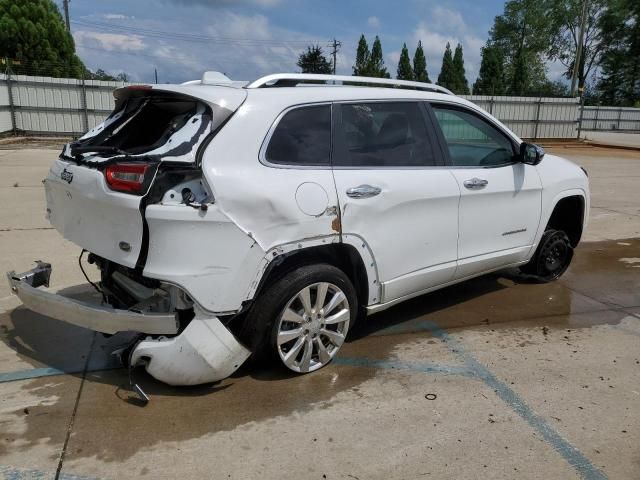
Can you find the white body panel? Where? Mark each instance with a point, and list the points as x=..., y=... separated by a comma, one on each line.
x=411, y=226
x=498, y=223
x=86, y=212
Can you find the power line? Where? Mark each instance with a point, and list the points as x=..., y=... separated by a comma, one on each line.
x=190, y=37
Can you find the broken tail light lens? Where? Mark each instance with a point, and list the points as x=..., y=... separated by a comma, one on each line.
x=126, y=177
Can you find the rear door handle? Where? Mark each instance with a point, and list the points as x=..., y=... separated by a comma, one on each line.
x=363, y=191
x=475, y=183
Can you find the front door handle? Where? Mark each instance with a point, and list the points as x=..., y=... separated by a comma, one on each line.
x=363, y=191
x=475, y=183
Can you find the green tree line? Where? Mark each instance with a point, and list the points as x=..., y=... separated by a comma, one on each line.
x=524, y=38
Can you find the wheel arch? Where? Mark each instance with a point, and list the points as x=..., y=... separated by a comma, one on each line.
x=351, y=255
x=568, y=214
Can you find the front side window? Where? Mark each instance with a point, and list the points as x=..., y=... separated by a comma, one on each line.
x=302, y=137
x=472, y=141
x=385, y=134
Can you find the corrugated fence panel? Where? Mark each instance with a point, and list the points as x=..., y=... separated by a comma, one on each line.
x=45, y=105
x=533, y=117
x=57, y=106
x=611, y=118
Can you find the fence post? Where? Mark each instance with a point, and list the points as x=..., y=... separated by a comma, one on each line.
x=581, y=106
x=12, y=108
x=595, y=123
x=535, y=132
x=619, y=117
x=85, y=125
x=491, y=105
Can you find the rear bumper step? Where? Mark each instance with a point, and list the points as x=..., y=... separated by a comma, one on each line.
x=100, y=318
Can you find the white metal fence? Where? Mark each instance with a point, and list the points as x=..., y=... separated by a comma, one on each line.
x=53, y=106
x=611, y=119
x=70, y=107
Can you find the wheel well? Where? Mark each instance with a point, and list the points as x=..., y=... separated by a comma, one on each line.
x=568, y=216
x=340, y=255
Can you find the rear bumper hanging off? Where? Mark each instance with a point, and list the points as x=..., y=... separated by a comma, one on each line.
x=205, y=351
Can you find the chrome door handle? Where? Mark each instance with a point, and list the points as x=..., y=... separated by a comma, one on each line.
x=363, y=191
x=475, y=183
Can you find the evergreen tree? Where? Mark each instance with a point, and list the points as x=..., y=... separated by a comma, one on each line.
x=34, y=36
x=405, y=72
x=460, y=79
x=446, y=78
x=420, y=65
x=490, y=79
x=376, y=62
x=314, y=61
x=361, y=68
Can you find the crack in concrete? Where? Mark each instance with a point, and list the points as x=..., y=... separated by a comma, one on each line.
x=75, y=409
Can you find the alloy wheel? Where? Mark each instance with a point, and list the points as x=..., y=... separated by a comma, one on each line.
x=312, y=327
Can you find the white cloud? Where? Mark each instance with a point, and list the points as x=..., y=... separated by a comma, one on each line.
x=434, y=40
x=109, y=41
x=116, y=16
x=392, y=60
x=373, y=22
x=449, y=20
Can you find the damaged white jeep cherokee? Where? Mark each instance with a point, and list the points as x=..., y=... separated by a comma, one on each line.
x=228, y=218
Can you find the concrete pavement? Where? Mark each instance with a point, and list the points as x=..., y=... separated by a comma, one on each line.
x=493, y=378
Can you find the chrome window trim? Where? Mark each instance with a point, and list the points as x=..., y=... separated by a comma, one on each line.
x=265, y=142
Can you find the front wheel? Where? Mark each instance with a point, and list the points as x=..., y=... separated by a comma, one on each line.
x=305, y=317
x=552, y=257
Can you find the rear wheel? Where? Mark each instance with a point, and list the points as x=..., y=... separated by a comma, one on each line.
x=552, y=257
x=302, y=320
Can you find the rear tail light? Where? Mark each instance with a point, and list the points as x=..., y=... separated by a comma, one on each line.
x=126, y=177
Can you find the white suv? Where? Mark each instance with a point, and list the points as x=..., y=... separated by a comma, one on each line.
x=230, y=219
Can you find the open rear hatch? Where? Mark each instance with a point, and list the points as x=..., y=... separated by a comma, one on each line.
x=98, y=188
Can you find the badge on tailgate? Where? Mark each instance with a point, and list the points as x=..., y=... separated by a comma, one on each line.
x=66, y=176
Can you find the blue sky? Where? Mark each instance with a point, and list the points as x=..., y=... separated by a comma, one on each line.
x=250, y=38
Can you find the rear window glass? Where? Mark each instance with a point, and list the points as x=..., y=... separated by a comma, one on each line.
x=385, y=134
x=302, y=137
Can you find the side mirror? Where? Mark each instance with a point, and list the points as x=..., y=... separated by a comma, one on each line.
x=531, y=154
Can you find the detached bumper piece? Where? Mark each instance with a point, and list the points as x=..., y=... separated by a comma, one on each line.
x=205, y=351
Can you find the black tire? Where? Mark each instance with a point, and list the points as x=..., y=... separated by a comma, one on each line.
x=260, y=327
x=552, y=257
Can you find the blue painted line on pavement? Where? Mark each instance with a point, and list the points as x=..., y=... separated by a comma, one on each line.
x=11, y=473
x=571, y=454
x=397, y=365
x=31, y=373
x=472, y=368
x=34, y=373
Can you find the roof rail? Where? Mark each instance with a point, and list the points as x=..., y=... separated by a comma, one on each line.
x=293, y=79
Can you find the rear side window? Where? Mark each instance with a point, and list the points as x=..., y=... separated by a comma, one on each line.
x=302, y=137
x=385, y=134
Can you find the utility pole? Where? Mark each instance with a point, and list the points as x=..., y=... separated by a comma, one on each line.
x=335, y=45
x=65, y=3
x=155, y=71
x=578, y=59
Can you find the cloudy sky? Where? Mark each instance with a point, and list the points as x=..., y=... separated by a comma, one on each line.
x=249, y=38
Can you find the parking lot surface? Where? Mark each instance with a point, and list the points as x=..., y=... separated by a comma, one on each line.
x=493, y=378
